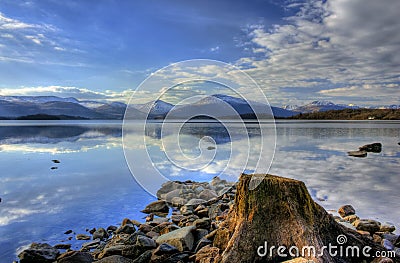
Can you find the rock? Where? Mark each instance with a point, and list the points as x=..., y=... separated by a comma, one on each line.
x=207, y=194
x=199, y=233
x=351, y=218
x=159, y=220
x=127, y=229
x=214, y=211
x=280, y=211
x=346, y=210
x=203, y=212
x=145, y=228
x=168, y=229
x=111, y=228
x=186, y=210
x=100, y=233
x=82, y=237
x=39, y=253
x=160, y=227
x=202, y=243
x=224, y=190
x=62, y=246
x=195, y=201
x=216, y=181
x=377, y=238
x=92, y=244
x=159, y=206
x=382, y=260
x=364, y=233
x=178, y=201
x=387, y=227
x=133, y=251
x=144, y=257
x=174, y=193
x=221, y=238
x=145, y=242
x=169, y=187
x=199, y=189
x=202, y=223
x=178, y=257
x=111, y=250
x=188, y=220
x=369, y=225
x=199, y=207
x=357, y=153
x=165, y=248
x=207, y=254
x=68, y=232
x=75, y=257
x=177, y=218
x=181, y=238
x=115, y=259
x=152, y=234
x=373, y=147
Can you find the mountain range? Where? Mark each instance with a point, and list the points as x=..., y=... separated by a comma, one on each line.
x=323, y=105
x=217, y=105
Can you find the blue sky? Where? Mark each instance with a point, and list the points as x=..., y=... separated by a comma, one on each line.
x=297, y=51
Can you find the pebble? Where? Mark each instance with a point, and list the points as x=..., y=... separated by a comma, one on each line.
x=82, y=237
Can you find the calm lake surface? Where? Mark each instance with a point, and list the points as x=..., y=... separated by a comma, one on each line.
x=92, y=185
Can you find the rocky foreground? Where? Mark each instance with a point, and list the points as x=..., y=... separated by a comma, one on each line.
x=226, y=222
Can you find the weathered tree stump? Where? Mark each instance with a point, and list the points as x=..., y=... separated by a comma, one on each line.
x=280, y=212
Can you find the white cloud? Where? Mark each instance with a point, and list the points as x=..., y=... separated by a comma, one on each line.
x=344, y=43
x=11, y=24
x=31, y=43
x=62, y=91
x=214, y=49
x=35, y=39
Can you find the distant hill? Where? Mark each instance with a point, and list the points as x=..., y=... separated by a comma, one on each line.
x=17, y=107
x=228, y=107
x=319, y=105
x=49, y=117
x=219, y=106
x=351, y=114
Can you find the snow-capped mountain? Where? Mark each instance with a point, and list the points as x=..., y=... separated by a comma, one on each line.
x=222, y=106
x=315, y=106
x=156, y=108
x=37, y=99
x=290, y=107
x=19, y=106
x=392, y=107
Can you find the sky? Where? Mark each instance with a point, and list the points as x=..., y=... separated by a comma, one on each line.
x=296, y=50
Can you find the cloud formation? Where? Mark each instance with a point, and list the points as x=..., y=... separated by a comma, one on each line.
x=333, y=46
x=61, y=91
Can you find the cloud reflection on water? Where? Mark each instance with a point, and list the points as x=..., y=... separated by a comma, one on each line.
x=93, y=186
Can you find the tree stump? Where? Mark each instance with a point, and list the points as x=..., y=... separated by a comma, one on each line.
x=281, y=212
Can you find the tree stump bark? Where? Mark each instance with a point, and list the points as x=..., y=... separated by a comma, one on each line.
x=281, y=212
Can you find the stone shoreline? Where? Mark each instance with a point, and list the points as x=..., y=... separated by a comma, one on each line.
x=191, y=222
